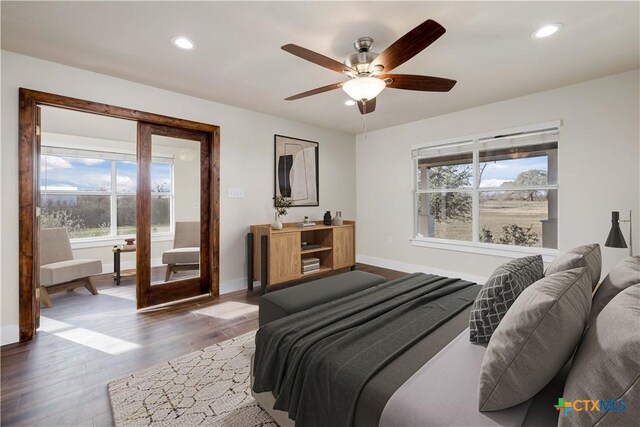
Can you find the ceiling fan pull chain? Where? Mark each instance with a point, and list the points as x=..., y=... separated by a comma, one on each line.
x=364, y=120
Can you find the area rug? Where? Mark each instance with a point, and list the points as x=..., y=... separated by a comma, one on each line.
x=209, y=387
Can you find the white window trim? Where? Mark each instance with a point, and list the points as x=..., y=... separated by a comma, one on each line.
x=101, y=242
x=506, y=251
x=473, y=144
x=470, y=138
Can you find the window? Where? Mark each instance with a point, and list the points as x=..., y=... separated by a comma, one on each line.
x=93, y=194
x=500, y=189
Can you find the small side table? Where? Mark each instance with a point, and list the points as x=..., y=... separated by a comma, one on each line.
x=117, y=250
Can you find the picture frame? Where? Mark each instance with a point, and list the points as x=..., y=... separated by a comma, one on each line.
x=296, y=170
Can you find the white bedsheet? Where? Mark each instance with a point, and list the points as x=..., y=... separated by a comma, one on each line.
x=444, y=392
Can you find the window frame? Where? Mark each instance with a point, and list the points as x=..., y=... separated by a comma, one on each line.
x=475, y=145
x=114, y=157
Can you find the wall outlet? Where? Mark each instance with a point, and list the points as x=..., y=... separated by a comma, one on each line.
x=389, y=240
x=196, y=206
x=236, y=193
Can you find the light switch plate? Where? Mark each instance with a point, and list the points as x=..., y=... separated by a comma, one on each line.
x=236, y=193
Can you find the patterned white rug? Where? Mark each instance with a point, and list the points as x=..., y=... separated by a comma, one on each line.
x=204, y=388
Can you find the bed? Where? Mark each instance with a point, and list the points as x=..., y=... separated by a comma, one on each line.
x=408, y=364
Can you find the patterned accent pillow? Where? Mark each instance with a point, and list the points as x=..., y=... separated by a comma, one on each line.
x=499, y=292
x=588, y=256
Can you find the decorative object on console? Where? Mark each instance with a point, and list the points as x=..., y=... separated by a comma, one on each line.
x=306, y=246
x=281, y=204
x=502, y=288
x=296, y=170
x=305, y=224
x=310, y=264
x=327, y=218
x=130, y=241
x=616, y=238
x=588, y=256
x=337, y=220
x=535, y=339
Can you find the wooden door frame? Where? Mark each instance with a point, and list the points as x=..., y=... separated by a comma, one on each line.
x=146, y=295
x=28, y=163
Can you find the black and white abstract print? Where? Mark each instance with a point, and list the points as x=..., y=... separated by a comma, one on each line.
x=296, y=170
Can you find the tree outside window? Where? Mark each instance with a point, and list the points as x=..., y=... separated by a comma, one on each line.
x=513, y=201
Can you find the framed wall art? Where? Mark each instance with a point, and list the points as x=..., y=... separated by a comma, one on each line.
x=296, y=170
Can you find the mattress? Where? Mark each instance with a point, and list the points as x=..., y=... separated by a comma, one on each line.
x=385, y=383
x=445, y=392
x=377, y=393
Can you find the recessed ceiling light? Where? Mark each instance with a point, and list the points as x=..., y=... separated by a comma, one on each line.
x=350, y=102
x=546, y=31
x=183, y=43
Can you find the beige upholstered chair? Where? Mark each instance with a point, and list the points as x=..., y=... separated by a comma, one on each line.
x=58, y=270
x=185, y=254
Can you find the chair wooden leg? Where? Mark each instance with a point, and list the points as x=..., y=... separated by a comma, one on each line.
x=91, y=287
x=44, y=297
x=167, y=275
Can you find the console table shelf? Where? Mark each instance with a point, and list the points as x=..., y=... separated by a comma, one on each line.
x=281, y=260
x=314, y=250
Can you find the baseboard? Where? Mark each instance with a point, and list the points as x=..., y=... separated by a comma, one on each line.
x=233, y=285
x=415, y=268
x=9, y=334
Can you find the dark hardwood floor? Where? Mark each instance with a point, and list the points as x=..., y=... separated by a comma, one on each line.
x=60, y=378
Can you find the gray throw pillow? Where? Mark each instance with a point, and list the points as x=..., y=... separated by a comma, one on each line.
x=626, y=273
x=535, y=339
x=583, y=256
x=499, y=292
x=606, y=366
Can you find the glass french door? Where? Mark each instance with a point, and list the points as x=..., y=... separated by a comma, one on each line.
x=173, y=213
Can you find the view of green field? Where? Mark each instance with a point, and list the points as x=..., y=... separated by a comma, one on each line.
x=495, y=214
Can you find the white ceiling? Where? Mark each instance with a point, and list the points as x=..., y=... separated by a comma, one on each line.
x=238, y=60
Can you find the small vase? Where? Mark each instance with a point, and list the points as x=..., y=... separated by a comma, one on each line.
x=276, y=225
x=327, y=218
x=337, y=220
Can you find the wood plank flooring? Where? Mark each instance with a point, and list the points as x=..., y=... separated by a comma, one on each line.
x=60, y=378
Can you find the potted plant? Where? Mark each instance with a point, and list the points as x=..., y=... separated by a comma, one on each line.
x=281, y=204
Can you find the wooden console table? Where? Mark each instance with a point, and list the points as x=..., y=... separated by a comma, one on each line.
x=281, y=260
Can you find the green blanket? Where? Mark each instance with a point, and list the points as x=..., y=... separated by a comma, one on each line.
x=317, y=362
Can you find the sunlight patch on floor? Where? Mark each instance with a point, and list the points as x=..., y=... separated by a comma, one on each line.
x=52, y=325
x=124, y=292
x=96, y=340
x=228, y=310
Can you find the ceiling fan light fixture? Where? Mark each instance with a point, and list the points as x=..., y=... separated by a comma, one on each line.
x=364, y=88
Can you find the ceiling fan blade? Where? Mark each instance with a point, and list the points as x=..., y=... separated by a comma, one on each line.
x=315, y=91
x=316, y=58
x=367, y=107
x=409, y=45
x=424, y=83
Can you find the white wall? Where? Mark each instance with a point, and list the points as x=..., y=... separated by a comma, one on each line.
x=599, y=152
x=246, y=161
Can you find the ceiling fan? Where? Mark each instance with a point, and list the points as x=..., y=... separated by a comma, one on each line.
x=368, y=70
